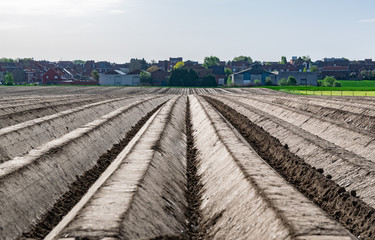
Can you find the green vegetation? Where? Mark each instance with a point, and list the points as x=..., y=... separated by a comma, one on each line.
x=210, y=61
x=145, y=78
x=8, y=79
x=179, y=65
x=268, y=81
x=257, y=83
x=283, y=60
x=243, y=58
x=183, y=77
x=359, y=84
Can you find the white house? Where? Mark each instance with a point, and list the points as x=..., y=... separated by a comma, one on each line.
x=119, y=78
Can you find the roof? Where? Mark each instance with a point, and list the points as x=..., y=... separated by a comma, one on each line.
x=135, y=72
x=116, y=72
x=335, y=68
x=254, y=69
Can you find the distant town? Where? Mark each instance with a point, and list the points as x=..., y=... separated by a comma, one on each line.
x=241, y=71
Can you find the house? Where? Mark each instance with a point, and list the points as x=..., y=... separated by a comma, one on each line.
x=201, y=71
x=218, y=72
x=159, y=77
x=339, y=72
x=19, y=76
x=118, y=78
x=251, y=74
x=303, y=78
x=57, y=76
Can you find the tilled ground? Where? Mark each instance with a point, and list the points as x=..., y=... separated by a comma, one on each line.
x=159, y=163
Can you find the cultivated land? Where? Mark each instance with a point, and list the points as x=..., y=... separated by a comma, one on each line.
x=175, y=163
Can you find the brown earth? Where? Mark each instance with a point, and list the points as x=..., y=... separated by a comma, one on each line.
x=82, y=184
x=350, y=211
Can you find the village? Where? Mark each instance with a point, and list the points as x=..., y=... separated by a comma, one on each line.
x=241, y=71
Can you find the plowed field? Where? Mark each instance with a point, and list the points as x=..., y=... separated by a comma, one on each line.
x=174, y=163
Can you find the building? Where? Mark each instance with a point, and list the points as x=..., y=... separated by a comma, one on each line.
x=303, y=78
x=19, y=76
x=159, y=77
x=339, y=72
x=57, y=76
x=248, y=76
x=118, y=78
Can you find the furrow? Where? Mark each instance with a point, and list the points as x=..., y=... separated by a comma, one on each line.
x=242, y=196
x=350, y=211
x=31, y=184
x=347, y=169
x=18, y=139
x=143, y=197
x=348, y=137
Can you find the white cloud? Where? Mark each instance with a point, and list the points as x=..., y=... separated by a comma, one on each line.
x=371, y=20
x=59, y=7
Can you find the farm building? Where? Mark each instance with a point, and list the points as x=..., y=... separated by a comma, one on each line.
x=251, y=74
x=303, y=78
x=119, y=78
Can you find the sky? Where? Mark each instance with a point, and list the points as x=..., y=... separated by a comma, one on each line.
x=118, y=30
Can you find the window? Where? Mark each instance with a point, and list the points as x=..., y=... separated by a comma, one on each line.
x=55, y=77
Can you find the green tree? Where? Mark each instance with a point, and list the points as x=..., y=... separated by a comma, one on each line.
x=210, y=61
x=79, y=62
x=283, y=82
x=328, y=81
x=268, y=81
x=313, y=68
x=184, y=78
x=145, y=78
x=7, y=60
x=283, y=60
x=304, y=69
x=306, y=58
x=179, y=65
x=8, y=79
x=95, y=75
x=228, y=72
x=209, y=81
x=249, y=60
x=291, y=81
x=336, y=84
x=257, y=82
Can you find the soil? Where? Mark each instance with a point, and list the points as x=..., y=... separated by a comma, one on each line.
x=194, y=186
x=82, y=184
x=351, y=212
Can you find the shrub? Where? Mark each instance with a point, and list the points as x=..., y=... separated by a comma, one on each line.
x=283, y=82
x=336, y=84
x=291, y=81
x=268, y=81
x=257, y=82
x=328, y=81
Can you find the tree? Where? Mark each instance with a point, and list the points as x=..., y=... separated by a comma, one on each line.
x=304, y=69
x=291, y=81
x=243, y=58
x=79, y=62
x=8, y=79
x=145, y=78
x=328, y=81
x=228, y=72
x=283, y=60
x=210, y=61
x=306, y=58
x=336, y=84
x=268, y=81
x=209, y=81
x=179, y=65
x=184, y=78
x=95, y=75
x=283, y=82
x=313, y=68
x=257, y=82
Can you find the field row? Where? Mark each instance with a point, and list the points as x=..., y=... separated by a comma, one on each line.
x=197, y=164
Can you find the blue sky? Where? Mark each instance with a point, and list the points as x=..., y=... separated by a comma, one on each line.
x=117, y=30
